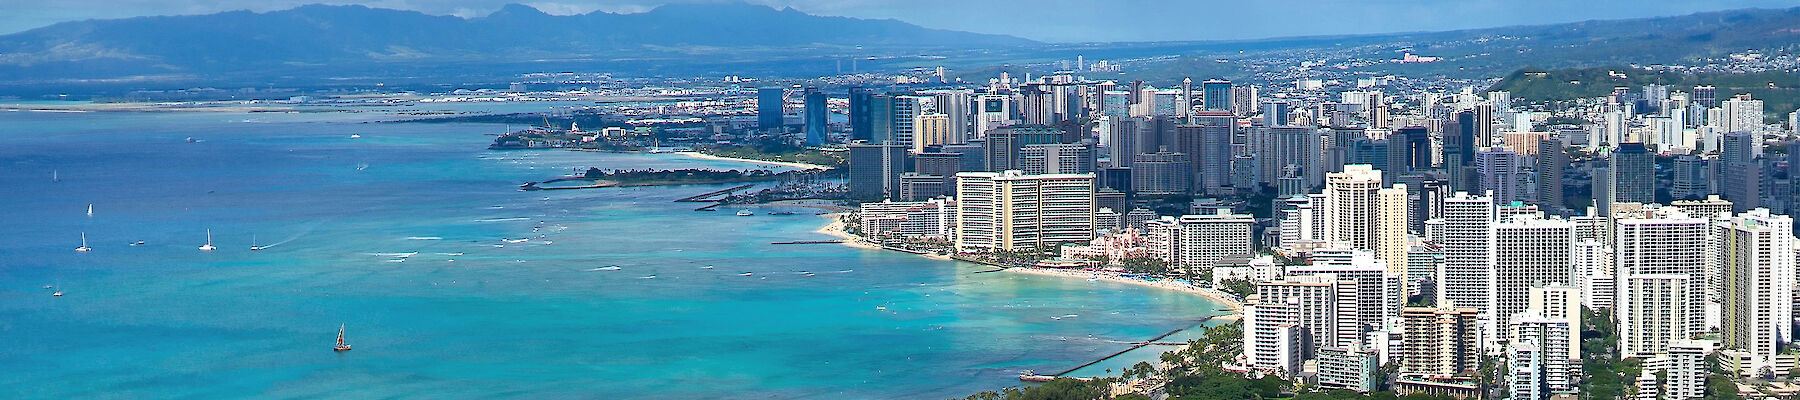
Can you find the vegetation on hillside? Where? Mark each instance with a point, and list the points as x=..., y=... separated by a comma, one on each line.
x=1779, y=91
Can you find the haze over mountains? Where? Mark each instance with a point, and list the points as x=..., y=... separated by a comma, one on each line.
x=337, y=42
x=329, y=37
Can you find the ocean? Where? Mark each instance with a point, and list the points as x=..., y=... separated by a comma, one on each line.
x=451, y=283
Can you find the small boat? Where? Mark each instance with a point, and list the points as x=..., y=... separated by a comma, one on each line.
x=707, y=267
x=745, y=213
x=190, y=139
x=57, y=294
x=208, y=246
x=48, y=286
x=90, y=210
x=745, y=274
x=55, y=176
x=137, y=243
x=341, y=347
x=355, y=136
x=607, y=268
x=84, y=247
x=253, y=245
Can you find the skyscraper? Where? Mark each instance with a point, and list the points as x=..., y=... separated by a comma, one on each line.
x=1003, y=144
x=1656, y=246
x=1529, y=252
x=768, y=108
x=1634, y=174
x=1758, y=261
x=1161, y=173
x=1217, y=95
x=1468, y=277
x=1501, y=174
x=815, y=117
x=1551, y=162
x=875, y=171
x=862, y=115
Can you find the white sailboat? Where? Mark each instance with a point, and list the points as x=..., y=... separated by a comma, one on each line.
x=55, y=176
x=209, y=245
x=253, y=245
x=90, y=210
x=84, y=247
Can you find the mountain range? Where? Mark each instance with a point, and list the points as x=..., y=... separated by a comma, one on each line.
x=358, y=45
x=351, y=38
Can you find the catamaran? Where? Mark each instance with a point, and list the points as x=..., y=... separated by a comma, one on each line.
x=84, y=247
x=341, y=347
x=209, y=245
x=253, y=245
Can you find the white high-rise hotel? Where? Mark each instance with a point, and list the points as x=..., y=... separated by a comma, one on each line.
x=1650, y=252
x=1363, y=215
x=1757, y=253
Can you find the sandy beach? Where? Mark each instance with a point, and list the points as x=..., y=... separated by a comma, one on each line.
x=1215, y=295
x=835, y=228
x=705, y=156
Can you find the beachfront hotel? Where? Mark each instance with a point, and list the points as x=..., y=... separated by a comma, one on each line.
x=1011, y=210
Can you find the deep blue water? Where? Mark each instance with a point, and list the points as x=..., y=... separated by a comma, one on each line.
x=464, y=318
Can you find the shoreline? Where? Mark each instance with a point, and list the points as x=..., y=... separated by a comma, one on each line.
x=1231, y=308
x=704, y=156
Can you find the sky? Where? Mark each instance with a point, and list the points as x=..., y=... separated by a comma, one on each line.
x=1043, y=20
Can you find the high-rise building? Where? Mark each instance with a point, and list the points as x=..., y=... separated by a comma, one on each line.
x=1010, y=210
x=1363, y=215
x=1275, y=113
x=1056, y=158
x=1690, y=178
x=931, y=129
x=1275, y=338
x=1217, y=94
x=1003, y=145
x=1209, y=140
x=1740, y=170
x=1757, y=250
x=1663, y=243
x=1380, y=293
x=1161, y=173
x=862, y=115
x=1441, y=341
x=1528, y=252
x=1634, y=174
x=1208, y=238
x=1527, y=371
x=1502, y=175
x=1468, y=277
x=1741, y=114
x=815, y=117
x=992, y=111
x=1652, y=311
x=1706, y=96
x=1243, y=100
x=768, y=108
x=1551, y=162
x=875, y=171
x=1327, y=308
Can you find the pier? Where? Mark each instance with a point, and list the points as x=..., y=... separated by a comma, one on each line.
x=1134, y=346
x=709, y=196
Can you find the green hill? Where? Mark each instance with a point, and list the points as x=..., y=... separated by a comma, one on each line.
x=1779, y=91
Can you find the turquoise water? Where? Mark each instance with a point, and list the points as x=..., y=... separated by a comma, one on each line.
x=465, y=317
